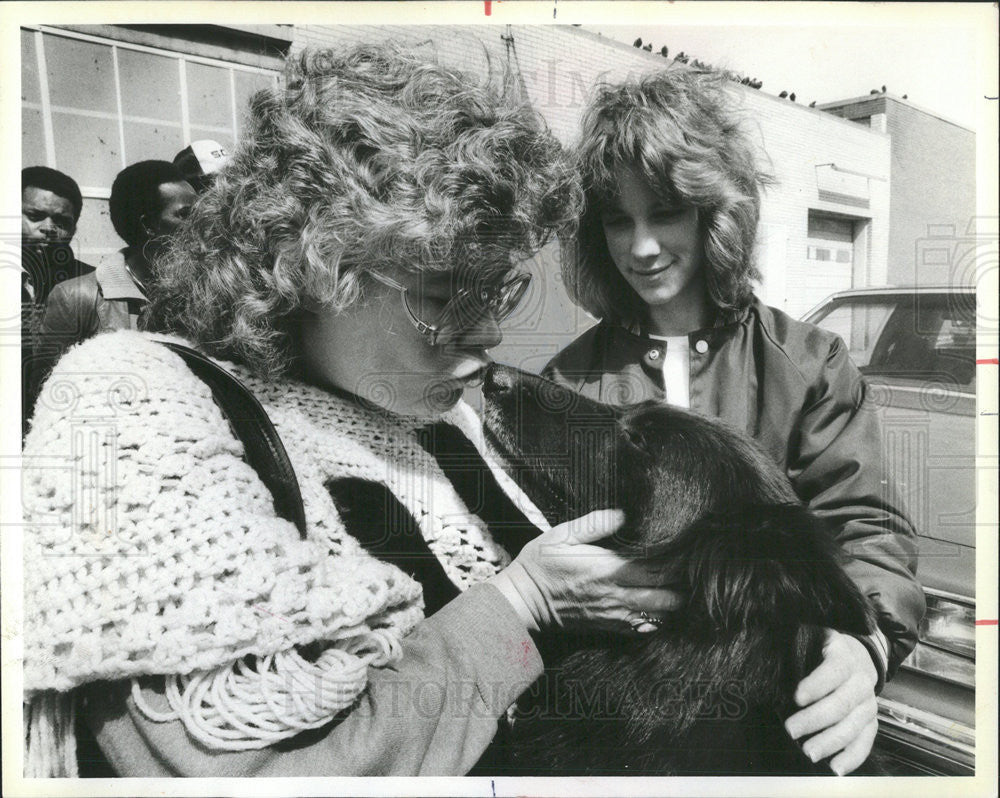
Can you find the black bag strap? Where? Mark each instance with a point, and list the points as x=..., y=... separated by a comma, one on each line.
x=261, y=443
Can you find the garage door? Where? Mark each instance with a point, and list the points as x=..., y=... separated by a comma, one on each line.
x=829, y=257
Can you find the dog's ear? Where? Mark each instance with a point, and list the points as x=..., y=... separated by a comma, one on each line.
x=772, y=566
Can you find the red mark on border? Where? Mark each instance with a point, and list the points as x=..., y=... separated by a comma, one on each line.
x=987, y=622
x=487, y=7
x=990, y=361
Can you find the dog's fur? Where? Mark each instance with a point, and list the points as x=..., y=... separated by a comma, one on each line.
x=708, y=692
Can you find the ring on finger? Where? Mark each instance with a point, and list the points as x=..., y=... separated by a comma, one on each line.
x=637, y=621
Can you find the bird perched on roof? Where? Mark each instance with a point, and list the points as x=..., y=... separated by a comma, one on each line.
x=664, y=51
x=783, y=95
x=905, y=97
x=812, y=104
x=883, y=89
x=792, y=96
x=873, y=91
x=648, y=48
x=637, y=42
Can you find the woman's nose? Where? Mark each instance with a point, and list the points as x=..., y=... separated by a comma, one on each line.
x=485, y=334
x=644, y=243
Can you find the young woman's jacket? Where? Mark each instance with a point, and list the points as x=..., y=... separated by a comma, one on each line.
x=791, y=387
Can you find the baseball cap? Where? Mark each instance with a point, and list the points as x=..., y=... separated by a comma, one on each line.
x=199, y=160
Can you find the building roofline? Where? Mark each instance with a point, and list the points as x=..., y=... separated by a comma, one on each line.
x=614, y=43
x=893, y=98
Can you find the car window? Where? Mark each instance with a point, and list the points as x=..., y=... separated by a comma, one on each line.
x=859, y=324
x=928, y=337
x=932, y=339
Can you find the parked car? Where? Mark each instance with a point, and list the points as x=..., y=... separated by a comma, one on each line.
x=917, y=349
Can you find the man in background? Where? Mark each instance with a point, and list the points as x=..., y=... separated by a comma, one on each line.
x=50, y=209
x=51, y=204
x=149, y=200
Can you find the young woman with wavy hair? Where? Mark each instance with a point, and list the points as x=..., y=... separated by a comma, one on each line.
x=350, y=265
x=665, y=259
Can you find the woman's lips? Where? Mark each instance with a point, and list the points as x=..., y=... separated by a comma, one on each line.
x=652, y=272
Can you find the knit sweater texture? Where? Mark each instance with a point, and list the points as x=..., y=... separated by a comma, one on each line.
x=151, y=547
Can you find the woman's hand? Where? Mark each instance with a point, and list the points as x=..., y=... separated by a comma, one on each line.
x=559, y=579
x=839, y=705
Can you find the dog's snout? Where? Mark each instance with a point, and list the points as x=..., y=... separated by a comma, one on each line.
x=497, y=380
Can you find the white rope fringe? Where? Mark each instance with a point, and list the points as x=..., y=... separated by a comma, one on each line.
x=50, y=736
x=257, y=701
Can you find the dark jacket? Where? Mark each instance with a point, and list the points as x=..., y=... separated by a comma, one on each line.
x=791, y=387
x=102, y=300
x=43, y=267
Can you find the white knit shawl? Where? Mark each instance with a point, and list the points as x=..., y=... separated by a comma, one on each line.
x=151, y=547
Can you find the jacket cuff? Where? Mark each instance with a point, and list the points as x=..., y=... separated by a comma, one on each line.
x=495, y=643
x=878, y=646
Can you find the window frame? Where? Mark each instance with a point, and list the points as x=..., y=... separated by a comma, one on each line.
x=45, y=107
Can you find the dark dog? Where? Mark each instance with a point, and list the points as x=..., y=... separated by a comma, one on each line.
x=708, y=692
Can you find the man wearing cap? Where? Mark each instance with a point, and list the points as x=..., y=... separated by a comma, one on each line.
x=148, y=202
x=199, y=161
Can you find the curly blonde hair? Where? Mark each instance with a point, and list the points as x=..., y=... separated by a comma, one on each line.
x=375, y=158
x=677, y=128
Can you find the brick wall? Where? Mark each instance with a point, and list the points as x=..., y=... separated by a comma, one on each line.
x=560, y=65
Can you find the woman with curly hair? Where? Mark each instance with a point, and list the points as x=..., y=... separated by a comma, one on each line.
x=665, y=260
x=350, y=265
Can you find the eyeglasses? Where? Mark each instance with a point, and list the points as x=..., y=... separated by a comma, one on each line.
x=467, y=308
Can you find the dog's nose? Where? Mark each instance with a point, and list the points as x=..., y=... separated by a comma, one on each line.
x=497, y=380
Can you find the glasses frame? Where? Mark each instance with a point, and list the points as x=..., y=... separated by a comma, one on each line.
x=431, y=331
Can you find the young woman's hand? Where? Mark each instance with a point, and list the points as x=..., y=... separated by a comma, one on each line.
x=560, y=579
x=839, y=706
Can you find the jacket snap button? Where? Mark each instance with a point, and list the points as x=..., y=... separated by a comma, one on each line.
x=701, y=346
x=653, y=355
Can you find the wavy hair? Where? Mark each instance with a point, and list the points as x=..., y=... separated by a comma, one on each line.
x=373, y=158
x=677, y=128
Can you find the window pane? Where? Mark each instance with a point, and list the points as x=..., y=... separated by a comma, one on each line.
x=858, y=325
x=209, y=96
x=246, y=84
x=32, y=138
x=152, y=141
x=87, y=148
x=81, y=74
x=29, y=68
x=96, y=239
x=934, y=341
x=151, y=86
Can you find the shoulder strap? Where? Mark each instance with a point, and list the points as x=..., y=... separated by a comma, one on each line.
x=264, y=451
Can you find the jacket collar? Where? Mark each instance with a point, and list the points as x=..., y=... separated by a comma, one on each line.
x=115, y=281
x=723, y=324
